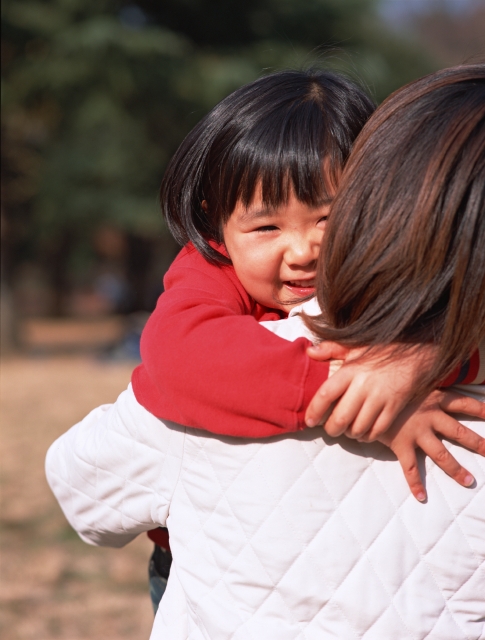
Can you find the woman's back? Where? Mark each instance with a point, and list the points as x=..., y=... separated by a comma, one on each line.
x=296, y=537
x=314, y=538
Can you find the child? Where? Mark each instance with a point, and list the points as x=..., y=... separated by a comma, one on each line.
x=249, y=191
x=274, y=133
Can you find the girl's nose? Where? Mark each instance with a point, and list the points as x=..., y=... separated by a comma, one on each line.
x=303, y=249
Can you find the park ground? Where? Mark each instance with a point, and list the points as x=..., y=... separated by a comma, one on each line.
x=52, y=585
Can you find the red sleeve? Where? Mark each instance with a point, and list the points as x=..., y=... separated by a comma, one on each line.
x=208, y=364
x=160, y=536
x=471, y=372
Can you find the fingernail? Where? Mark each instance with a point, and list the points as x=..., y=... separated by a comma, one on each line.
x=469, y=480
x=421, y=496
x=310, y=422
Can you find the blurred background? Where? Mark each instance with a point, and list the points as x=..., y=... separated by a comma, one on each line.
x=96, y=96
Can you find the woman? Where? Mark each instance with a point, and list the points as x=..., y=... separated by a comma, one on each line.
x=359, y=557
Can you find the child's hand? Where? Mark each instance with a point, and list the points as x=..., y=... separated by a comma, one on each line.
x=371, y=392
x=418, y=426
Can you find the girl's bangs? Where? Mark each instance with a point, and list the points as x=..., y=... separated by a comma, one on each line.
x=297, y=157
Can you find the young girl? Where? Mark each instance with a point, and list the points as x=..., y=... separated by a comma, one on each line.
x=248, y=192
x=304, y=536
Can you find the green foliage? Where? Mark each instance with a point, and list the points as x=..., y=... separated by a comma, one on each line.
x=97, y=91
x=95, y=102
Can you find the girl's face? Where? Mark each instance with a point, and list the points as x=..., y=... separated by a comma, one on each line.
x=275, y=251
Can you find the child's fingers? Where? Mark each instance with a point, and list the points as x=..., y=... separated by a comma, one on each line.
x=381, y=424
x=456, y=403
x=364, y=423
x=328, y=351
x=345, y=413
x=409, y=464
x=451, y=429
x=327, y=394
x=435, y=449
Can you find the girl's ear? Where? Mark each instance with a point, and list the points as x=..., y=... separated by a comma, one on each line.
x=204, y=205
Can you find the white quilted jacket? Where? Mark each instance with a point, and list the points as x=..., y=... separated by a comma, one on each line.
x=296, y=537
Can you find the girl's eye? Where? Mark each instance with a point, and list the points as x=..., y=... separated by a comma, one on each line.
x=268, y=227
x=322, y=220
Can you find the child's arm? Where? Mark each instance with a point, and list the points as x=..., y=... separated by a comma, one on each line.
x=370, y=393
x=103, y=472
x=207, y=362
x=421, y=424
x=382, y=381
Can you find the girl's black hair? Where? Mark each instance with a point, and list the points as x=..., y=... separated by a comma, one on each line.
x=276, y=131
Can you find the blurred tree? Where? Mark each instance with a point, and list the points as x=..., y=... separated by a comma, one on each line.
x=248, y=37
x=97, y=94
x=450, y=34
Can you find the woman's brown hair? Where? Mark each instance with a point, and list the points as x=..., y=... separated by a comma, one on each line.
x=403, y=259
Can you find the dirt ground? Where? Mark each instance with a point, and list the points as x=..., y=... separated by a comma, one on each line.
x=52, y=585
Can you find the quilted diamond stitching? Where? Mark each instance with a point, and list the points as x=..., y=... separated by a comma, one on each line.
x=122, y=511
x=411, y=538
x=456, y=520
x=196, y=512
x=288, y=568
x=423, y=557
x=369, y=468
x=97, y=468
x=248, y=542
x=348, y=526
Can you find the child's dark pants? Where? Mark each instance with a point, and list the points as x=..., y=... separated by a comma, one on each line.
x=158, y=572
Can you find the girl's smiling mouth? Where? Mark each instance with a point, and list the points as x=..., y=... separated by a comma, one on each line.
x=300, y=288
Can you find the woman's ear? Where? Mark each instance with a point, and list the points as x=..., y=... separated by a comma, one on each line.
x=204, y=205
